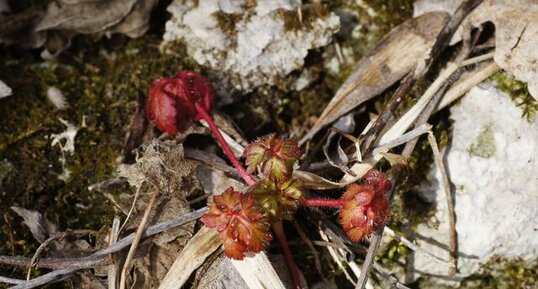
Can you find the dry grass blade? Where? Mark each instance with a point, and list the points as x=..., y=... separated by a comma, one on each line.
x=453, y=238
x=137, y=238
x=383, y=66
x=113, y=269
x=199, y=247
x=467, y=82
x=258, y=272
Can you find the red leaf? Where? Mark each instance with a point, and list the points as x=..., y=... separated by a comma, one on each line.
x=241, y=226
x=171, y=100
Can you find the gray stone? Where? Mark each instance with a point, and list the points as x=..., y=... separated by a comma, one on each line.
x=493, y=168
x=254, y=47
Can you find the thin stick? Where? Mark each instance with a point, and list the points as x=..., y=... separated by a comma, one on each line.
x=409, y=244
x=453, y=237
x=58, y=275
x=137, y=194
x=385, y=274
x=40, y=249
x=106, y=183
x=112, y=272
x=137, y=238
x=7, y=280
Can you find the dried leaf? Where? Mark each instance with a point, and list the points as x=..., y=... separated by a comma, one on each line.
x=515, y=36
x=84, y=16
x=388, y=62
x=54, y=24
x=40, y=227
x=335, y=154
x=313, y=181
x=137, y=21
x=203, y=244
x=258, y=272
x=86, y=280
x=163, y=166
x=19, y=28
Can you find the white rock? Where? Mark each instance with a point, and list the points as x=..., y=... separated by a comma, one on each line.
x=492, y=165
x=258, y=51
x=424, y=6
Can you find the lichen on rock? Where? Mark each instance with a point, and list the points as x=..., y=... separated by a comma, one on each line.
x=492, y=165
x=248, y=45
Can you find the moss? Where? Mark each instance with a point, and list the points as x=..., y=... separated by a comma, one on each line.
x=484, y=145
x=309, y=14
x=519, y=93
x=500, y=273
x=227, y=23
x=374, y=19
x=100, y=80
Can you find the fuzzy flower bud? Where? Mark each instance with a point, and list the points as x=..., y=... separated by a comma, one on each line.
x=171, y=100
x=242, y=227
x=365, y=207
x=273, y=157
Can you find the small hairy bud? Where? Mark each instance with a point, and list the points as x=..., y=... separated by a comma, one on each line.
x=171, y=100
x=242, y=227
x=277, y=200
x=364, y=206
x=274, y=157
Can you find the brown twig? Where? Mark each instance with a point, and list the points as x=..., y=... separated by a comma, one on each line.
x=400, y=170
x=453, y=236
x=112, y=272
x=137, y=238
x=93, y=260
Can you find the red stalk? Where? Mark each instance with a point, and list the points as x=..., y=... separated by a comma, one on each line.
x=278, y=228
x=322, y=203
x=224, y=145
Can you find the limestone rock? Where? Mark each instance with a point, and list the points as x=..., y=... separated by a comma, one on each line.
x=248, y=43
x=492, y=165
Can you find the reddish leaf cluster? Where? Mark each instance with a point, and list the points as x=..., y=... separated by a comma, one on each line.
x=242, y=227
x=364, y=206
x=171, y=101
x=272, y=156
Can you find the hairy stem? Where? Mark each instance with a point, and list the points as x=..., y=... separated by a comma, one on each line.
x=278, y=228
x=224, y=145
x=322, y=203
